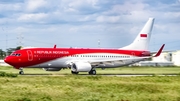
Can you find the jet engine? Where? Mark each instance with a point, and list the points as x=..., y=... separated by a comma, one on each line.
x=81, y=67
x=52, y=69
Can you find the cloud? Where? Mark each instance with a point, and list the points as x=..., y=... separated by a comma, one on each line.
x=33, y=17
x=7, y=9
x=108, y=19
x=34, y=5
x=115, y=22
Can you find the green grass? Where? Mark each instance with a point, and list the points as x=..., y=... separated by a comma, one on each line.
x=91, y=88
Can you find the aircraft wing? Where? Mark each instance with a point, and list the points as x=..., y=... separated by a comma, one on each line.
x=120, y=60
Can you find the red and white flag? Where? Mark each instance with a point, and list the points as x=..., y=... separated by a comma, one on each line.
x=143, y=35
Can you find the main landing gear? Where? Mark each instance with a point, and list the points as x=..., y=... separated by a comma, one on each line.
x=92, y=72
x=21, y=72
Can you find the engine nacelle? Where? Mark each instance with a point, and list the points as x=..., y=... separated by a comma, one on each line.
x=52, y=69
x=81, y=67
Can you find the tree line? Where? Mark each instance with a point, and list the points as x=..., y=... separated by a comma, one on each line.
x=8, y=51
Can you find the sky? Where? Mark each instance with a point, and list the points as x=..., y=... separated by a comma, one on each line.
x=87, y=23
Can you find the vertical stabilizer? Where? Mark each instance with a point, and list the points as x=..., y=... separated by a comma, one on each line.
x=142, y=40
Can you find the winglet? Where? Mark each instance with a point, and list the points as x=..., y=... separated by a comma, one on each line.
x=54, y=46
x=160, y=50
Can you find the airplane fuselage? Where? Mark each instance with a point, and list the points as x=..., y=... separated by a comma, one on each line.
x=61, y=57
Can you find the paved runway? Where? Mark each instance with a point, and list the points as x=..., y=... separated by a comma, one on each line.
x=118, y=75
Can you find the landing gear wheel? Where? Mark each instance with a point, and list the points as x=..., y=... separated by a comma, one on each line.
x=74, y=72
x=21, y=72
x=92, y=72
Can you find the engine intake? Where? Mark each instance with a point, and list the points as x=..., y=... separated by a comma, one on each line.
x=81, y=67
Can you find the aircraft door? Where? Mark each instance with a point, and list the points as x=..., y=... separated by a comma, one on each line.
x=133, y=54
x=30, y=55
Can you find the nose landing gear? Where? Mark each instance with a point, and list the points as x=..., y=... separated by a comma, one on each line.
x=21, y=72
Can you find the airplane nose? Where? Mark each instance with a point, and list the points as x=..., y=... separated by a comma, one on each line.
x=8, y=60
x=11, y=61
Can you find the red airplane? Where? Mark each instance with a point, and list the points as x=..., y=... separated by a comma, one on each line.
x=84, y=60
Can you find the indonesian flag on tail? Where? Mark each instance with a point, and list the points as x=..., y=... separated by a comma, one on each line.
x=143, y=35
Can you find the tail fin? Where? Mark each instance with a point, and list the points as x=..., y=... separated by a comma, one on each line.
x=142, y=40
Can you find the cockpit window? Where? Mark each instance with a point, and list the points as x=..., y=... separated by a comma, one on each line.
x=18, y=54
x=15, y=54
